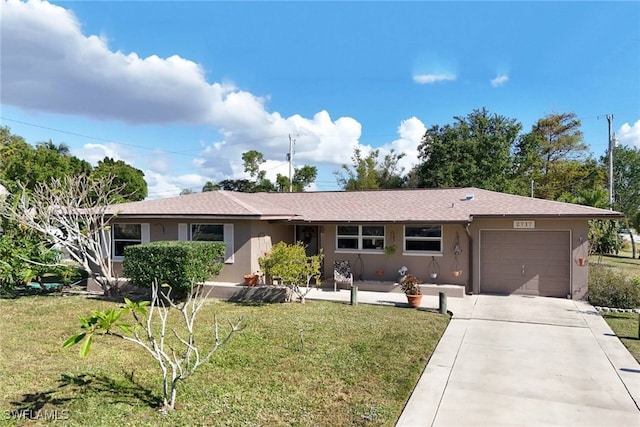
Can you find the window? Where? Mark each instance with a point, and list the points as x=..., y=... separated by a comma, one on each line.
x=126, y=235
x=209, y=233
x=360, y=237
x=423, y=239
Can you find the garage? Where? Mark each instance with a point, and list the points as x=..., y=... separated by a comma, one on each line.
x=525, y=262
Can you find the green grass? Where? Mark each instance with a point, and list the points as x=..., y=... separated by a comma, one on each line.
x=622, y=261
x=320, y=363
x=625, y=326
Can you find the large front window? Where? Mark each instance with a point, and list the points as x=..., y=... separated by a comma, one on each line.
x=207, y=232
x=360, y=238
x=423, y=239
x=125, y=235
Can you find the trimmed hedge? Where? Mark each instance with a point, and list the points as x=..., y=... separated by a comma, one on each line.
x=176, y=263
x=609, y=287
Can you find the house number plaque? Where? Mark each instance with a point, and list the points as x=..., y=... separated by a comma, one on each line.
x=524, y=224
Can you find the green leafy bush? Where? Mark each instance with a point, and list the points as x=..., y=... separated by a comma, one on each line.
x=611, y=288
x=177, y=264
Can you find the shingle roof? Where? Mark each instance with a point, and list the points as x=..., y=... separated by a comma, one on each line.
x=211, y=203
x=415, y=205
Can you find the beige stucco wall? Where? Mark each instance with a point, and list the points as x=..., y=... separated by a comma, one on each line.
x=167, y=229
x=364, y=264
x=254, y=238
x=578, y=232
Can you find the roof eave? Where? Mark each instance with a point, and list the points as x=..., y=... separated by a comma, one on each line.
x=612, y=215
x=203, y=216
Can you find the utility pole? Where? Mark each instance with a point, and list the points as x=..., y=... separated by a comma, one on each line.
x=531, y=188
x=611, y=143
x=290, y=158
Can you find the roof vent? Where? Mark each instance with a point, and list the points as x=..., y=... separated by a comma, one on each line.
x=469, y=196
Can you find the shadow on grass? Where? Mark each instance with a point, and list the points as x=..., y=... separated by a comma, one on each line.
x=78, y=386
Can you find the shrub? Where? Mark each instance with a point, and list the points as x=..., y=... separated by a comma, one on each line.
x=292, y=265
x=611, y=288
x=179, y=264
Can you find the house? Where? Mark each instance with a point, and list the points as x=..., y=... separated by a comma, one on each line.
x=489, y=242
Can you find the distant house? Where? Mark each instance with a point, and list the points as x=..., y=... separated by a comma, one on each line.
x=489, y=242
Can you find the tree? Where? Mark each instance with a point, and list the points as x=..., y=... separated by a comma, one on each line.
x=73, y=214
x=292, y=265
x=474, y=151
x=603, y=234
x=369, y=173
x=626, y=183
x=210, y=186
x=22, y=163
x=62, y=148
x=302, y=178
x=241, y=185
x=25, y=257
x=129, y=179
x=252, y=160
x=177, y=355
x=186, y=191
x=555, y=158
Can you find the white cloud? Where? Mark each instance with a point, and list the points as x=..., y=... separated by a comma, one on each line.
x=425, y=79
x=629, y=134
x=49, y=65
x=499, y=80
x=96, y=152
x=161, y=185
x=410, y=134
x=159, y=162
x=319, y=140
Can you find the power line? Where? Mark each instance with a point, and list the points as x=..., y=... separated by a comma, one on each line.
x=144, y=147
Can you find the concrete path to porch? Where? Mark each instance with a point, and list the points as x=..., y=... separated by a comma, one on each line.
x=520, y=361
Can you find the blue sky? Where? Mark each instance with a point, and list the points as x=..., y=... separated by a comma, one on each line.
x=181, y=89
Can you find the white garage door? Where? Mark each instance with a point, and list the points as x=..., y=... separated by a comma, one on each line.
x=525, y=262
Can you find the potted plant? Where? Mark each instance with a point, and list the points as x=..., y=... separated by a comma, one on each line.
x=410, y=285
x=251, y=279
x=390, y=250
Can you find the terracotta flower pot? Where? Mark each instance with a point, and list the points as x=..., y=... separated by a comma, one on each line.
x=456, y=273
x=414, y=300
x=250, y=279
x=582, y=261
x=379, y=272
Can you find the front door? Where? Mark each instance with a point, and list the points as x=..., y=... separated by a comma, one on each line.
x=308, y=235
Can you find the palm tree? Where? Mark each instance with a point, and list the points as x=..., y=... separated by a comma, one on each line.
x=210, y=186
x=62, y=149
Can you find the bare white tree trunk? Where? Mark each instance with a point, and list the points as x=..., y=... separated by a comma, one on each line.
x=176, y=365
x=73, y=213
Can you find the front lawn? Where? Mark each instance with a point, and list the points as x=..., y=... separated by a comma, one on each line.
x=622, y=262
x=320, y=363
x=625, y=326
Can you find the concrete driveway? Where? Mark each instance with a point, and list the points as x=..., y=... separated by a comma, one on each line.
x=526, y=361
